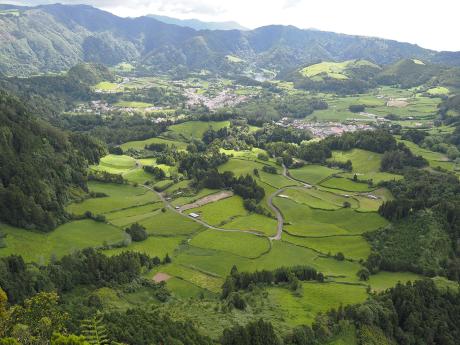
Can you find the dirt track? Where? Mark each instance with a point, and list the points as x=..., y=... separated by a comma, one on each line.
x=207, y=200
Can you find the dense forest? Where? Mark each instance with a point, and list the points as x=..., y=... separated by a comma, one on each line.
x=40, y=167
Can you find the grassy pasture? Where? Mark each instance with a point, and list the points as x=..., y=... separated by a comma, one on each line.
x=39, y=247
x=312, y=173
x=119, y=197
x=384, y=280
x=195, y=277
x=131, y=215
x=314, y=298
x=314, y=200
x=219, y=263
x=363, y=161
x=305, y=221
x=253, y=222
x=195, y=129
x=115, y=164
x=170, y=223
x=222, y=211
x=238, y=243
x=106, y=86
x=435, y=159
x=140, y=145
x=182, y=288
x=346, y=185
x=336, y=70
x=353, y=247
x=440, y=90
x=153, y=246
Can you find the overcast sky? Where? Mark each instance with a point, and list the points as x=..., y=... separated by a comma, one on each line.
x=429, y=23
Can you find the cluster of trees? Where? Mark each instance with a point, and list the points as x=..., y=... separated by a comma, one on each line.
x=114, y=128
x=137, y=232
x=426, y=232
x=86, y=267
x=157, y=172
x=39, y=164
x=41, y=320
x=291, y=275
x=105, y=176
x=139, y=327
x=244, y=186
x=399, y=159
x=269, y=107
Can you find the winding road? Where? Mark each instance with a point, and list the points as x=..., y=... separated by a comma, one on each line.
x=274, y=208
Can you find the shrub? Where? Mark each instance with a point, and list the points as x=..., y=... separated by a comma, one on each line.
x=137, y=232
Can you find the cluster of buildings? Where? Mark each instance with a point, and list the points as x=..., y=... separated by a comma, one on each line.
x=323, y=129
x=224, y=98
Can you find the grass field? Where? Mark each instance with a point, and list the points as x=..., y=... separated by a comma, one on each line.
x=336, y=70
x=39, y=247
x=195, y=129
x=353, y=247
x=315, y=198
x=217, y=262
x=106, y=86
x=170, y=223
x=346, y=185
x=435, y=159
x=140, y=145
x=221, y=212
x=312, y=173
x=238, y=243
x=384, y=280
x=366, y=165
x=115, y=164
x=153, y=246
x=305, y=221
x=440, y=90
x=314, y=298
x=119, y=197
x=254, y=222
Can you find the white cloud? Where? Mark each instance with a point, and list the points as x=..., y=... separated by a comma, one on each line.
x=431, y=24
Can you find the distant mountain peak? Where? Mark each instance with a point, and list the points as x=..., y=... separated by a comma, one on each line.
x=198, y=24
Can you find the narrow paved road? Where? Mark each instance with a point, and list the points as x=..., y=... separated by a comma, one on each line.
x=199, y=221
x=275, y=209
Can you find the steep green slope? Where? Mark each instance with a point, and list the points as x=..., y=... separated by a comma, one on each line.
x=39, y=168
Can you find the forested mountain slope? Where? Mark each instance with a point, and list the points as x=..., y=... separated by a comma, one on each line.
x=39, y=167
x=56, y=37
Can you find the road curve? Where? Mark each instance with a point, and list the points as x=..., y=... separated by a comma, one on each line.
x=209, y=226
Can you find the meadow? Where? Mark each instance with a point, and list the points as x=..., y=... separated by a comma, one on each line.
x=42, y=247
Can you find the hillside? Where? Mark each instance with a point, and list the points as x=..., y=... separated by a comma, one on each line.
x=39, y=168
x=56, y=37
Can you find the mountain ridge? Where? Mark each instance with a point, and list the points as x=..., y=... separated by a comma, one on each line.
x=198, y=24
x=52, y=38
